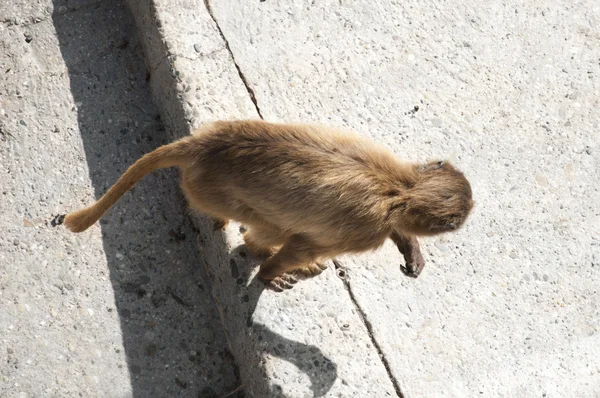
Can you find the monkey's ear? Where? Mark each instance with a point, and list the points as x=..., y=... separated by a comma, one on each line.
x=432, y=166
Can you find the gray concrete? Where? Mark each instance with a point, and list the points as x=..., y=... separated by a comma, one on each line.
x=308, y=342
x=125, y=308
x=506, y=307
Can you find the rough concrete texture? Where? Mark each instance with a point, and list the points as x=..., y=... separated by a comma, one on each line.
x=507, y=306
x=125, y=308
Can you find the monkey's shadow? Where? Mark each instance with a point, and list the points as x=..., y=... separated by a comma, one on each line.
x=252, y=339
x=172, y=336
x=307, y=358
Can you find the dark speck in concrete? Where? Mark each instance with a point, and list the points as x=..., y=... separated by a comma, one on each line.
x=180, y=383
x=235, y=273
x=207, y=392
x=151, y=350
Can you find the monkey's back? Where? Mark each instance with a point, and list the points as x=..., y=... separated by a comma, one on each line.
x=300, y=178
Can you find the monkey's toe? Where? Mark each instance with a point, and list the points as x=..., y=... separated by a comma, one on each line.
x=310, y=271
x=281, y=283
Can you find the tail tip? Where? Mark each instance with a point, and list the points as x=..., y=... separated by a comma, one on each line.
x=77, y=222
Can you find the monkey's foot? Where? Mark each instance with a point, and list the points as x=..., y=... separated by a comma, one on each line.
x=310, y=271
x=281, y=283
x=220, y=224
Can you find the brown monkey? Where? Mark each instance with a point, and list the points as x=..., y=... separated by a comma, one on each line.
x=307, y=193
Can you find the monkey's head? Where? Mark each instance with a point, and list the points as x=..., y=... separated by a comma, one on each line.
x=439, y=200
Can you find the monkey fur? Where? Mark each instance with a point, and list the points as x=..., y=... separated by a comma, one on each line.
x=307, y=193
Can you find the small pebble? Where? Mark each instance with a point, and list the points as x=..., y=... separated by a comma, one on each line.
x=441, y=246
x=569, y=171
x=542, y=180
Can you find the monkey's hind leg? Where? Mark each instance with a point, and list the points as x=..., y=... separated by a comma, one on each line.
x=262, y=240
x=279, y=271
x=409, y=247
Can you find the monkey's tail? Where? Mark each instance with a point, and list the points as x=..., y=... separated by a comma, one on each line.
x=175, y=154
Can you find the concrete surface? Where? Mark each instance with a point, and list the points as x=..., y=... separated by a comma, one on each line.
x=308, y=342
x=506, y=307
x=124, y=309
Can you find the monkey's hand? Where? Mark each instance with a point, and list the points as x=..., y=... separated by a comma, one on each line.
x=409, y=247
x=414, y=264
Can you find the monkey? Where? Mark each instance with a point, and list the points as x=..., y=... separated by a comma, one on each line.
x=306, y=193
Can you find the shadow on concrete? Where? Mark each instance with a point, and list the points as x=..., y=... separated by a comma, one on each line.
x=257, y=340
x=172, y=335
x=173, y=339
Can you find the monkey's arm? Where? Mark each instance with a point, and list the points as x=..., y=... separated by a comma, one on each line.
x=409, y=247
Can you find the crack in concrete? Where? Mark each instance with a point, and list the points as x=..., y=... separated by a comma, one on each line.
x=240, y=73
x=367, y=324
x=335, y=261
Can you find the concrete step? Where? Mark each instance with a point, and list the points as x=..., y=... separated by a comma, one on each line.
x=505, y=305
x=309, y=341
x=123, y=309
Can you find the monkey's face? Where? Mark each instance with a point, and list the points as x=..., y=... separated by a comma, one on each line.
x=439, y=201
